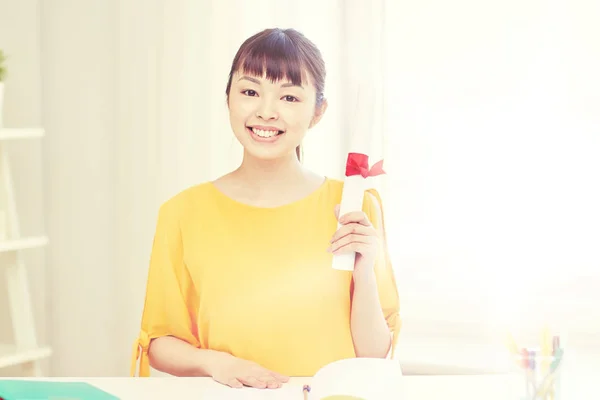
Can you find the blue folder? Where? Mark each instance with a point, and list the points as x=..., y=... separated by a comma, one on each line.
x=47, y=390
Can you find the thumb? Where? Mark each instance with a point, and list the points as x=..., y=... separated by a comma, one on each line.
x=336, y=211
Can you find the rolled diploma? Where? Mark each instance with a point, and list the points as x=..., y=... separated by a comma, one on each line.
x=353, y=194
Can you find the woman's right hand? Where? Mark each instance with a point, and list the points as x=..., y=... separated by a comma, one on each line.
x=236, y=373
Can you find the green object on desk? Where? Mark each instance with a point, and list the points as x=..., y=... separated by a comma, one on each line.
x=21, y=389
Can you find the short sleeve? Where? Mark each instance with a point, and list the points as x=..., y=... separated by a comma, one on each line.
x=384, y=272
x=171, y=302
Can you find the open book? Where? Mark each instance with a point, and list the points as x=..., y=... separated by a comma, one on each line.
x=358, y=378
x=349, y=379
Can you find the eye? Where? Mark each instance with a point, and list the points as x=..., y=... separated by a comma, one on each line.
x=291, y=99
x=250, y=92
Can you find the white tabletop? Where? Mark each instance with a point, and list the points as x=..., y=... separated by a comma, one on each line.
x=461, y=387
x=579, y=382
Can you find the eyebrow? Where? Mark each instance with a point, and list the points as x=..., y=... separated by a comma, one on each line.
x=249, y=78
x=292, y=85
x=254, y=80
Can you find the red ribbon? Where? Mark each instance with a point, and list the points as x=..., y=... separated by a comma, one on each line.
x=358, y=164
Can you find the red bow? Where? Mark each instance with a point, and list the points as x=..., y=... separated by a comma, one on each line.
x=358, y=164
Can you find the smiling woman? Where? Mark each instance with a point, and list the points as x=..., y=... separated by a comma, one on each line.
x=240, y=284
x=276, y=75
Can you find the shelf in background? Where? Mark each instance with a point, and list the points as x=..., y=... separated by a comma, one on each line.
x=20, y=133
x=10, y=355
x=23, y=243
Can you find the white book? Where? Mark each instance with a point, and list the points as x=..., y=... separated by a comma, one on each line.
x=349, y=379
x=358, y=379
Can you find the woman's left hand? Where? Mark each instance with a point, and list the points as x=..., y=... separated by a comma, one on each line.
x=356, y=234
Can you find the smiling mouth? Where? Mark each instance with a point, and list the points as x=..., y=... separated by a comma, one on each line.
x=265, y=133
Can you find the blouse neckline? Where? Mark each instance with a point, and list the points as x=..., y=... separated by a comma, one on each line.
x=308, y=197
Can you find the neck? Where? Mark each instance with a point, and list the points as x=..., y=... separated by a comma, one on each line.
x=265, y=174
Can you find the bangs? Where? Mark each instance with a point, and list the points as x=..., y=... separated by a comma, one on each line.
x=275, y=56
x=280, y=55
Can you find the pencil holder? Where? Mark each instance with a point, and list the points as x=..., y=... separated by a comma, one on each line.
x=539, y=374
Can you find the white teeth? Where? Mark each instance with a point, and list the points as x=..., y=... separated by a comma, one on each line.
x=265, y=134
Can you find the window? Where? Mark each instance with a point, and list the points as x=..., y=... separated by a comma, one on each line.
x=493, y=168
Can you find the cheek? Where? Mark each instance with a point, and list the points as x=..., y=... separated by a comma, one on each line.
x=239, y=109
x=299, y=118
x=234, y=113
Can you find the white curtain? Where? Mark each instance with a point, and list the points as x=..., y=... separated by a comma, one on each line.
x=495, y=167
x=173, y=129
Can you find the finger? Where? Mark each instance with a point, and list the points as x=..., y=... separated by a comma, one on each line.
x=234, y=383
x=253, y=382
x=336, y=211
x=353, y=229
x=349, y=240
x=354, y=247
x=279, y=377
x=358, y=217
x=273, y=385
x=267, y=378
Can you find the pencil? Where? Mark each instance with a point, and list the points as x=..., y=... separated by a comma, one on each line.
x=546, y=346
x=305, y=390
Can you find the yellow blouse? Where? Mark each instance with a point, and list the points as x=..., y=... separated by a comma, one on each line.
x=255, y=282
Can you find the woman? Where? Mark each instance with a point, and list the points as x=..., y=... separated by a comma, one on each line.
x=240, y=284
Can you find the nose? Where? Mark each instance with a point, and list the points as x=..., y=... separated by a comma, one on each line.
x=267, y=109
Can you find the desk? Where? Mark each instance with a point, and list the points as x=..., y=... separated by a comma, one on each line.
x=463, y=387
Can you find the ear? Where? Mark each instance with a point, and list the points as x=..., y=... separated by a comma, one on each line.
x=319, y=112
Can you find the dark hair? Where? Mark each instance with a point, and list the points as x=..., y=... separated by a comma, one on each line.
x=281, y=53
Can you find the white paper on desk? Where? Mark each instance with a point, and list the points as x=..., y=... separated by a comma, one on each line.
x=365, y=378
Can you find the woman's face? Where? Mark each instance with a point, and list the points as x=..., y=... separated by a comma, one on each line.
x=270, y=119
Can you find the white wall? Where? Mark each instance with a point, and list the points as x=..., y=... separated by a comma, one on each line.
x=62, y=76
x=20, y=40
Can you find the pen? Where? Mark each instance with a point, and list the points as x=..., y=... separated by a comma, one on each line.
x=305, y=390
x=513, y=349
x=525, y=365
x=546, y=345
x=555, y=344
x=546, y=352
x=557, y=356
x=547, y=388
x=533, y=365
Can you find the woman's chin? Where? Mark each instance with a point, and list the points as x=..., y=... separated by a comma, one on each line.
x=272, y=154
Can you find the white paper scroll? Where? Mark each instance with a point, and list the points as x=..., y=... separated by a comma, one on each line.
x=353, y=192
x=352, y=200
